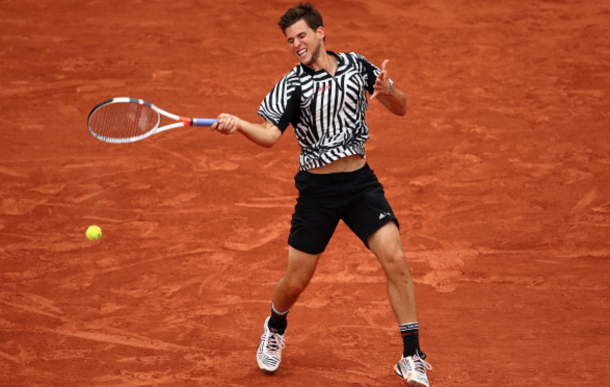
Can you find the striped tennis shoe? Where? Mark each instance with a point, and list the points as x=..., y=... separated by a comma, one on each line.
x=413, y=370
x=269, y=354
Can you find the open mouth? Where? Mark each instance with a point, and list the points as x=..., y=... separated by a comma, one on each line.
x=302, y=52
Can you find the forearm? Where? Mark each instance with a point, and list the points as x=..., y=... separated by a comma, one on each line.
x=265, y=134
x=396, y=102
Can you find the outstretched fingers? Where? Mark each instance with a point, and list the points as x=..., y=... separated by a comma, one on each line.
x=382, y=84
x=384, y=65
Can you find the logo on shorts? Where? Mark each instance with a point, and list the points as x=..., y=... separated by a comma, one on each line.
x=384, y=214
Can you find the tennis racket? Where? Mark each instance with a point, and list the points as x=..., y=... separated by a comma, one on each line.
x=124, y=119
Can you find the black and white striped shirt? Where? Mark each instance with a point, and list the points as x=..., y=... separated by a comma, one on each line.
x=326, y=112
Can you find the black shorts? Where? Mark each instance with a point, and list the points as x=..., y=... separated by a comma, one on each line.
x=356, y=197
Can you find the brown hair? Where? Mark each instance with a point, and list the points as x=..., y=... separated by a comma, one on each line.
x=306, y=12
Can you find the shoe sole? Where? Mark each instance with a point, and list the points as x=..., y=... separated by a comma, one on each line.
x=412, y=383
x=267, y=371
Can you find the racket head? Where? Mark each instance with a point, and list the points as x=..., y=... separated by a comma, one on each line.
x=121, y=120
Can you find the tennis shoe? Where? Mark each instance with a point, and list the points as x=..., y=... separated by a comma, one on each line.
x=269, y=354
x=413, y=370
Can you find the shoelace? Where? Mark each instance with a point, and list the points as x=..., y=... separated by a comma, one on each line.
x=419, y=365
x=275, y=342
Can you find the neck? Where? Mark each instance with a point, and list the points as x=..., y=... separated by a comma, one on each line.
x=325, y=62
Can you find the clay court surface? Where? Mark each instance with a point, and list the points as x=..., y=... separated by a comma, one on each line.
x=499, y=174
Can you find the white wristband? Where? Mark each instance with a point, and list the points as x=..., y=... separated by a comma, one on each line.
x=391, y=87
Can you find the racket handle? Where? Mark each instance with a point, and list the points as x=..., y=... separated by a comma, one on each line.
x=204, y=121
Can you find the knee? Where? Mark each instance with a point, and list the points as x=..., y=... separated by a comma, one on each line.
x=396, y=265
x=295, y=287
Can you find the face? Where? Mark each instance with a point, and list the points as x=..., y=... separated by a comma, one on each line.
x=304, y=42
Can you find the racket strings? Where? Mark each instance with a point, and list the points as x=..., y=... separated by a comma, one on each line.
x=123, y=120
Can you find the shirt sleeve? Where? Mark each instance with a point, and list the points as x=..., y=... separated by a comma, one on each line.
x=281, y=106
x=370, y=73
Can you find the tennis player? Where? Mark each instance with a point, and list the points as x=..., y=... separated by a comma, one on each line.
x=324, y=99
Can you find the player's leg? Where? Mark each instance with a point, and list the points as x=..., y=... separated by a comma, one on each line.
x=300, y=270
x=386, y=245
x=314, y=221
x=373, y=220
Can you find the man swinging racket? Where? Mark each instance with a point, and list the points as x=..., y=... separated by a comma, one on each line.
x=324, y=99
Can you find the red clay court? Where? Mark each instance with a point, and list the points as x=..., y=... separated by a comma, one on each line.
x=499, y=174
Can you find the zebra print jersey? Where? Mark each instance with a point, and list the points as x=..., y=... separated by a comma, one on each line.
x=326, y=112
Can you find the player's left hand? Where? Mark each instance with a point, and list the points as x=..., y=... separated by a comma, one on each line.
x=227, y=124
x=382, y=83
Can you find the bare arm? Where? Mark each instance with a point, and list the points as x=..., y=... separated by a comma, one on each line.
x=265, y=134
x=394, y=100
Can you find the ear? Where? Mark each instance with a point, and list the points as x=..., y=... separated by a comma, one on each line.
x=320, y=33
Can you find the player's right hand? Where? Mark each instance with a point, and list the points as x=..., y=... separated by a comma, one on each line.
x=227, y=123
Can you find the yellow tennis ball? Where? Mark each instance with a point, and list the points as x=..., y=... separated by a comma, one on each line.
x=94, y=233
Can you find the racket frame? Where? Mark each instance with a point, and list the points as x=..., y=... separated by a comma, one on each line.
x=183, y=121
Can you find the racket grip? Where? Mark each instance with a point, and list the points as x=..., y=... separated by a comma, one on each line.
x=204, y=121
